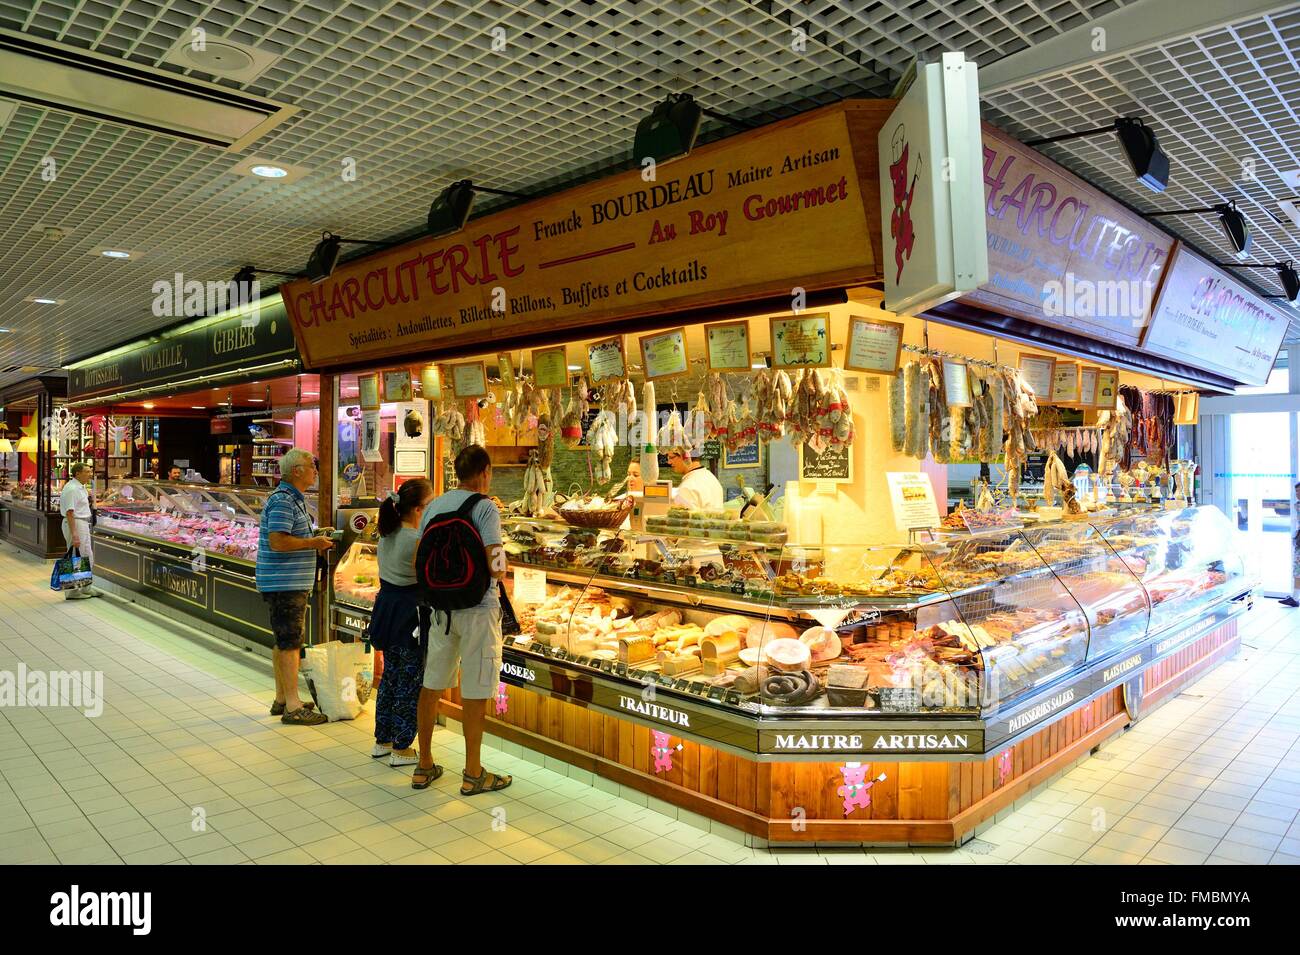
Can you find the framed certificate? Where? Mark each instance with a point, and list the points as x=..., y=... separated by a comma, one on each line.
x=727, y=346
x=1107, y=390
x=368, y=392
x=430, y=383
x=802, y=342
x=663, y=354
x=506, y=366
x=1066, y=383
x=874, y=346
x=1038, y=372
x=606, y=360
x=956, y=383
x=550, y=367
x=1088, y=386
x=397, y=385
x=469, y=380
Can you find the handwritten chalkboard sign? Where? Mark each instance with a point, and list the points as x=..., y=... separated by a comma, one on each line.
x=833, y=464
x=712, y=448
x=749, y=455
x=899, y=699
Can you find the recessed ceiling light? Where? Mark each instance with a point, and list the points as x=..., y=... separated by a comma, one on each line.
x=269, y=172
x=115, y=254
x=45, y=301
x=6, y=331
x=148, y=404
x=257, y=400
x=199, y=407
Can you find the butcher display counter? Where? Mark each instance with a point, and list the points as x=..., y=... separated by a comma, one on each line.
x=191, y=547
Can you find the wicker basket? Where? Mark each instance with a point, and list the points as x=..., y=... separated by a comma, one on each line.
x=609, y=517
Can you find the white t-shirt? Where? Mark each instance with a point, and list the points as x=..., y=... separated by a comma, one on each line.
x=699, y=489
x=74, y=498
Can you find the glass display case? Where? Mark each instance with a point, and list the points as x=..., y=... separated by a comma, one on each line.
x=220, y=519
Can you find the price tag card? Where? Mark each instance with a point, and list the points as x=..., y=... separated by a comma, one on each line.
x=530, y=586
x=899, y=699
x=912, y=496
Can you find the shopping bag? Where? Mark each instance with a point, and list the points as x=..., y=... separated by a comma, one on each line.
x=71, y=572
x=340, y=678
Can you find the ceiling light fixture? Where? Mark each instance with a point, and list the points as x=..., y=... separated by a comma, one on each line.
x=450, y=211
x=115, y=254
x=1236, y=227
x=325, y=256
x=269, y=172
x=46, y=301
x=1145, y=157
x=1286, y=274
x=246, y=276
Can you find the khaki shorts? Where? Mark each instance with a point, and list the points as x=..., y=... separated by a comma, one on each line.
x=473, y=645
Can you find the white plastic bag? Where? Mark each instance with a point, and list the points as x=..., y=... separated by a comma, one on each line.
x=340, y=678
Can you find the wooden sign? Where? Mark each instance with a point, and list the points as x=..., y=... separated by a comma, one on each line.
x=469, y=379
x=956, y=383
x=1039, y=373
x=397, y=385
x=747, y=217
x=874, y=346
x=1107, y=390
x=1054, y=240
x=835, y=464
x=1066, y=384
x=727, y=346
x=803, y=341
x=606, y=361
x=550, y=367
x=1088, y=386
x=1207, y=319
x=663, y=354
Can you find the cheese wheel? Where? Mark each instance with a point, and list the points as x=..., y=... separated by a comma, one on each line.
x=767, y=631
x=822, y=642
x=731, y=622
x=786, y=654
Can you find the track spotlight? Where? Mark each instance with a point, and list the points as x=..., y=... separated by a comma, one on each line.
x=326, y=255
x=1236, y=227
x=450, y=211
x=1145, y=157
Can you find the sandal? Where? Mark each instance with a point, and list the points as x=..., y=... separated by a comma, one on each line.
x=304, y=717
x=479, y=784
x=277, y=708
x=430, y=774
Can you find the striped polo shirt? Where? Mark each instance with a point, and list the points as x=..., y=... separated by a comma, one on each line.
x=285, y=512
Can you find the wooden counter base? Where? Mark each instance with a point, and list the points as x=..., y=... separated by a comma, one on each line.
x=917, y=803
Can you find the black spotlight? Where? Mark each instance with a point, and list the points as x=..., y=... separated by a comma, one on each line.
x=1286, y=274
x=323, y=258
x=1145, y=157
x=450, y=211
x=669, y=132
x=246, y=277
x=1236, y=227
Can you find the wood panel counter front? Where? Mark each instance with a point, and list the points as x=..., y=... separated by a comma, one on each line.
x=794, y=204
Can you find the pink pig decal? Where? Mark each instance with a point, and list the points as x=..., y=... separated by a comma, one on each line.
x=856, y=789
x=662, y=752
x=1005, y=766
x=502, y=699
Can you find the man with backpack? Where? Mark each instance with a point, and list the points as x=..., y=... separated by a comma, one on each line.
x=460, y=562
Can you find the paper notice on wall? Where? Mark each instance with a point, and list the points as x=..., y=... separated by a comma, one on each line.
x=912, y=496
x=370, y=436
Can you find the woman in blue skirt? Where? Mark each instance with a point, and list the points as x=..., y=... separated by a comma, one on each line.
x=399, y=625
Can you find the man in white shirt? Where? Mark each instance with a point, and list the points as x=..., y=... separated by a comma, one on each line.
x=698, y=488
x=74, y=505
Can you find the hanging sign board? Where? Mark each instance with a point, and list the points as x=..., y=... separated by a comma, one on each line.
x=932, y=196
x=469, y=379
x=606, y=361
x=744, y=218
x=746, y=456
x=431, y=383
x=1039, y=373
x=727, y=346
x=397, y=385
x=956, y=383
x=368, y=392
x=1088, y=386
x=1066, y=383
x=874, y=346
x=912, y=497
x=550, y=367
x=1207, y=319
x=663, y=354
x=1107, y=390
x=1062, y=253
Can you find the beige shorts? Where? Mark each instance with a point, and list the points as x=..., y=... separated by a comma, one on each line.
x=473, y=645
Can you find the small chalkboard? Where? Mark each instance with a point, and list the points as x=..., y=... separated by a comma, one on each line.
x=833, y=464
x=712, y=448
x=899, y=699
x=749, y=455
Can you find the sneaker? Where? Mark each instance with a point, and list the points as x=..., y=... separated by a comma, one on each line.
x=1289, y=602
x=398, y=759
x=304, y=717
x=379, y=751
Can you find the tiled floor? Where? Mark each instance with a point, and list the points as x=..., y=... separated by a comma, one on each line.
x=185, y=766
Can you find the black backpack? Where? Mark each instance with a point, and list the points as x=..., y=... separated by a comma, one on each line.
x=451, y=563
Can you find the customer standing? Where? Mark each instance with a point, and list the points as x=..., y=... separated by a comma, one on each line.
x=470, y=639
x=74, y=505
x=286, y=573
x=397, y=617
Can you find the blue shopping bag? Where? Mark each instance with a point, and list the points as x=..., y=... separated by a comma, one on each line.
x=71, y=571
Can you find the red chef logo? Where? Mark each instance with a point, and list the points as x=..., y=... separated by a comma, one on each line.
x=360, y=522
x=900, y=221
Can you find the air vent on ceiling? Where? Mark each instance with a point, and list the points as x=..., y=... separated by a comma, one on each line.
x=90, y=84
